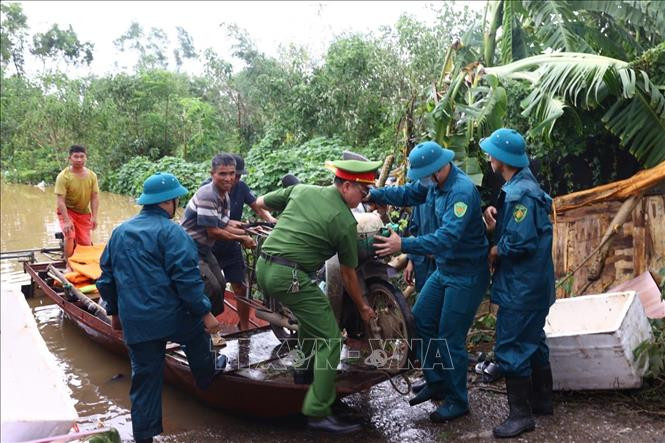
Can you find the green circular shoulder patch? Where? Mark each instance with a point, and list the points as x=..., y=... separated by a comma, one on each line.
x=519, y=213
x=459, y=209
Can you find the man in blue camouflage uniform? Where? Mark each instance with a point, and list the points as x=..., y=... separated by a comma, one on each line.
x=420, y=267
x=448, y=302
x=154, y=293
x=523, y=282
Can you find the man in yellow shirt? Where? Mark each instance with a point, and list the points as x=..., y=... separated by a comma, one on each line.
x=77, y=191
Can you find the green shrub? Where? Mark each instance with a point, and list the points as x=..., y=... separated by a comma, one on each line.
x=269, y=160
x=266, y=165
x=130, y=177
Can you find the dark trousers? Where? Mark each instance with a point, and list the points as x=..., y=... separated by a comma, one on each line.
x=147, y=359
x=215, y=283
x=520, y=341
x=444, y=312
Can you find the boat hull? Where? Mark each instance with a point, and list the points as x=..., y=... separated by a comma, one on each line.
x=230, y=391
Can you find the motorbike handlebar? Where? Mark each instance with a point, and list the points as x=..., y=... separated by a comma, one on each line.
x=255, y=224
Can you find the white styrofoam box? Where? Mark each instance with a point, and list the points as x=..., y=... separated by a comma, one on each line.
x=592, y=339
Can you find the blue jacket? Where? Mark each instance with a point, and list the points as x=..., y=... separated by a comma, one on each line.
x=459, y=242
x=423, y=221
x=150, y=277
x=524, y=277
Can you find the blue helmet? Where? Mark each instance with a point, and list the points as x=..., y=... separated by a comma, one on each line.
x=427, y=158
x=160, y=187
x=507, y=146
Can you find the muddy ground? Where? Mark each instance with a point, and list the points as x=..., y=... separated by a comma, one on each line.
x=587, y=417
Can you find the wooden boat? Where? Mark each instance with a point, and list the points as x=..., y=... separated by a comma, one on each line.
x=256, y=381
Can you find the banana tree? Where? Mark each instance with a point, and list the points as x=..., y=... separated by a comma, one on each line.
x=468, y=102
x=621, y=29
x=635, y=107
x=462, y=107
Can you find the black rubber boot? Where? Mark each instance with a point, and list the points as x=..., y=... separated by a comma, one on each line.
x=418, y=386
x=541, y=398
x=434, y=391
x=519, y=400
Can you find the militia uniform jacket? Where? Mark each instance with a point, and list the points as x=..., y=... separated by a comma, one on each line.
x=459, y=243
x=150, y=277
x=524, y=277
x=423, y=221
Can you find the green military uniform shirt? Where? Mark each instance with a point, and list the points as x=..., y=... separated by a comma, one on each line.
x=315, y=224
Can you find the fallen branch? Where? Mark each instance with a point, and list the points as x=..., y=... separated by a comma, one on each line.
x=491, y=389
x=385, y=171
x=620, y=218
x=619, y=190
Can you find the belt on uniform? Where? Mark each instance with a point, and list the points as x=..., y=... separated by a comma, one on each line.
x=286, y=262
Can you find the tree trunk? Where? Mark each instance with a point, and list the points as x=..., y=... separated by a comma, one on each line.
x=489, y=39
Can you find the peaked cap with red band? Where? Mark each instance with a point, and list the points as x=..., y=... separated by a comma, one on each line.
x=355, y=170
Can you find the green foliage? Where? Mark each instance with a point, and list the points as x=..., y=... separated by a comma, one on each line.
x=506, y=46
x=554, y=22
x=634, y=107
x=57, y=42
x=110, y=436
x=130, y=177
x=13, y=34
x=483, y=330
x=355, y=96
x=151, y=47
x=379, y=93
x=653, y=350
x=266, y=164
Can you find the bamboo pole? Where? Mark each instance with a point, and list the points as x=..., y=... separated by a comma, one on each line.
x=91, y=306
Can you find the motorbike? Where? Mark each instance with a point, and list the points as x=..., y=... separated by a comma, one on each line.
x=389, y=334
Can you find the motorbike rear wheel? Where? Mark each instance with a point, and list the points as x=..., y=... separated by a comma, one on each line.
x=394, y=324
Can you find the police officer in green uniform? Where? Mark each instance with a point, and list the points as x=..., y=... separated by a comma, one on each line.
x=448, y=302
x=315, y=224
x=523, y=282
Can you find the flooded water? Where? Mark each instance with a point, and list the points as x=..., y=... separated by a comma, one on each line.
x=99, y=381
